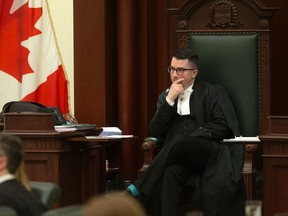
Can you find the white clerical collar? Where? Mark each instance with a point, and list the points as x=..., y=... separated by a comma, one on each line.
x=190, y=88
x=6, y=177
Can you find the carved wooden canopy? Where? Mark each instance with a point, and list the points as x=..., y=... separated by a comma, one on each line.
x=220, y=14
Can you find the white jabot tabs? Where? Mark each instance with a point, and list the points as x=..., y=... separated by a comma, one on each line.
x=183, y=106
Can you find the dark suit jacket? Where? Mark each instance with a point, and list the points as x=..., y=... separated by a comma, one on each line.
x=25, y=203
x=220, y=190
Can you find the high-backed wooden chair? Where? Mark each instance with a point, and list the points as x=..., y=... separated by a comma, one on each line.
x=235, y=54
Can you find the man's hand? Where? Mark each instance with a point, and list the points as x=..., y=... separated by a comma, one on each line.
x=175, y=89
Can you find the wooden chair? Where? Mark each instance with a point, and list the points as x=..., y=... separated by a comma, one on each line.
x=235, y=55
x=229, y=59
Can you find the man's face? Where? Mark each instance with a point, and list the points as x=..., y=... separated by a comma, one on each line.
x=188, y=75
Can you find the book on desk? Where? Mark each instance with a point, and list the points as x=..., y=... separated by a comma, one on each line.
x=74, y=127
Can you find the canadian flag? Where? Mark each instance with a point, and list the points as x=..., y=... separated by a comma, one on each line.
x=30, y=64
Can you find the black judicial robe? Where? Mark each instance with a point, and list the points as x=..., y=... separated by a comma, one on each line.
x=220, y=190
x=24, y=202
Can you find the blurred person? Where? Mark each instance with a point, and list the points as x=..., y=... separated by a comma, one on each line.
x=13, y=192
x=114, y=204
x=21, y=176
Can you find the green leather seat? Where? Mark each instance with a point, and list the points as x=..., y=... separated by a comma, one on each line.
x=48, y=192
x=7, y=211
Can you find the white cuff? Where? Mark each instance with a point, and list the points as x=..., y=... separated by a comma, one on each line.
x=169, y=102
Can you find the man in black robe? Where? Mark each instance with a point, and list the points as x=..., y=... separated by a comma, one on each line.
x=192, y=119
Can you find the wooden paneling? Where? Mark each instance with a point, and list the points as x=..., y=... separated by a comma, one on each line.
x=49, y=158
x=95, y=61
x=279, y=57
x=275, y=170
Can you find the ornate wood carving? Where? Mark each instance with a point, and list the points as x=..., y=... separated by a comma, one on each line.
x=264, y=23
x=263, y=79
x=36, y=144
x=183, y=40
x=251, y=148
x=182, y=24
x=223, y=14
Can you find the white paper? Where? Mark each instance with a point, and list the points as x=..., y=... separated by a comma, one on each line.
x=109, y=137
x=107, y=131
x=243, y=139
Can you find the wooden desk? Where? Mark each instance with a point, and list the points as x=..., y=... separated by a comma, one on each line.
x=275, y=174
x=75, y=166
x=70, y=160
x=111, y=150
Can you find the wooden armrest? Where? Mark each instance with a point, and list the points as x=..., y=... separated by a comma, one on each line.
x=150, y=147
x=251, y=167
x=251, y=149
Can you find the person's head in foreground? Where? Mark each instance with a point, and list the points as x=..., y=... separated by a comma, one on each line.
x=114, y=204
x=11, y=154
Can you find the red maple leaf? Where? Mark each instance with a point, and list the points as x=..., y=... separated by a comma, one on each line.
x=15, y=28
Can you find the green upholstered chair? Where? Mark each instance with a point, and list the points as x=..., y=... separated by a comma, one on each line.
x=73, y=210
x=7, y=211
x=230, y=59
x=49, y=193
x=232, y=39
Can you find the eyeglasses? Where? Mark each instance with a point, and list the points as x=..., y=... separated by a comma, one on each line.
x=179, y=71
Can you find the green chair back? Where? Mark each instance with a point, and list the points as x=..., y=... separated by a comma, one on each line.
x=231, y=60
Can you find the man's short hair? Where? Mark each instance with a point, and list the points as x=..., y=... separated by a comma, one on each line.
x=11, y=147
x=189, y=54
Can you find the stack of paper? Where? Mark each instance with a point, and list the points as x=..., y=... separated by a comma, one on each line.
x=110, y=131
x=64, y=128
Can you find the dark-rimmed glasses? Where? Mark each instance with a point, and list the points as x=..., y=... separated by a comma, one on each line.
x=179, y=71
